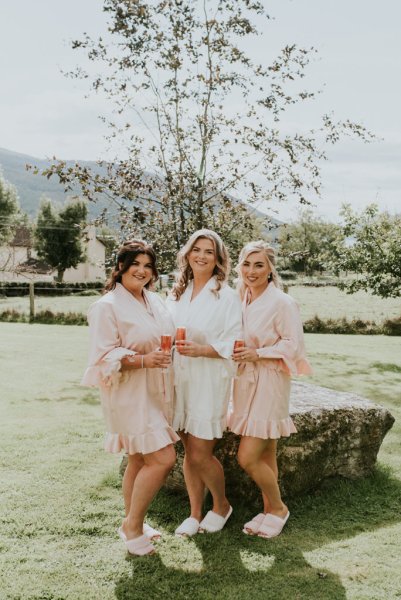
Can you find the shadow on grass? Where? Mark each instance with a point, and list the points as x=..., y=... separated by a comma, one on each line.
x=338, y=511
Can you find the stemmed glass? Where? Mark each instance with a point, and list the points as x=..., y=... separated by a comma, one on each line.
x=239, y=344
x=166, y=343
x=180, y=336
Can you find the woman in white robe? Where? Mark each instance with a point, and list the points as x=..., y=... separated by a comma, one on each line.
x=211, y=313
x=132, y=374
x=274, y=350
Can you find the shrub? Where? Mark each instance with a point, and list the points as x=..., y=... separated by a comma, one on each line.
x=13, y=316
x=50, y=318
x=356, y=326
x=46, y=317
x=288, y=275
x=392, y=326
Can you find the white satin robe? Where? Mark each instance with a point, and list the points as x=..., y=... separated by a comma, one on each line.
x=203, y=385
x=136, y=403
x=261, y=391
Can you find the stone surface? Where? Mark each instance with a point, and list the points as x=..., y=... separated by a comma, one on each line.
x=339, y=434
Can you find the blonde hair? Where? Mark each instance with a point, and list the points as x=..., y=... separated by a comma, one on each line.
x=268, y=251
x=185, y=274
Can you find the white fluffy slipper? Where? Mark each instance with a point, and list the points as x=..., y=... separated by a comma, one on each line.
x=189, y=527
x=150, y=532
x=252, y=527
x=272, y=525
x=214, y=522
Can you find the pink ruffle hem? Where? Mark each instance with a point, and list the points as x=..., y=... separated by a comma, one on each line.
x=265, y=430
x=146, y=443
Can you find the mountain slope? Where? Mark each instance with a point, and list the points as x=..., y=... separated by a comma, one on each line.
x=31, y=188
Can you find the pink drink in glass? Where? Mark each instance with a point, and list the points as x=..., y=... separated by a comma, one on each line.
x=166, y=342
x=239, y=344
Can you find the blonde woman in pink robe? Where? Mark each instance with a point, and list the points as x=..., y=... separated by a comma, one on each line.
x=133, y=375
x=274, y=351
x=202, y=302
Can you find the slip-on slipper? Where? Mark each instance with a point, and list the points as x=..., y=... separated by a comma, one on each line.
x=188, y=527
x=214, y=522
x=150, y=532
x=140, y=546
x=272, y=525
x=252, y=527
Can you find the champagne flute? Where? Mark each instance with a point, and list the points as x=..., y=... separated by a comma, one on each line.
x=239, y=344
x=166, y=343
x=180, y=336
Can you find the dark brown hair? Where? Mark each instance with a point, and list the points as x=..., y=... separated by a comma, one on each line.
x=126, y=255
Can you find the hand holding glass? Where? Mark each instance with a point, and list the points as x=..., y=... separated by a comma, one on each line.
x=238, y=345
x=180, y=336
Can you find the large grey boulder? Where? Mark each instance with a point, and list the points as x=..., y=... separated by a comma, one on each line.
x=339, y=434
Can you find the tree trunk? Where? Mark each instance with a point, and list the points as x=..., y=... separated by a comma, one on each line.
x=60, y=275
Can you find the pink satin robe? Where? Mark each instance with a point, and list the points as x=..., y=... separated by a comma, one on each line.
x=135, y=403
x=261, y=394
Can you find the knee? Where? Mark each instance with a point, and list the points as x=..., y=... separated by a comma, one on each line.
x=196, y=458
x=166, y=459
x=245, y=461
x=135, y=461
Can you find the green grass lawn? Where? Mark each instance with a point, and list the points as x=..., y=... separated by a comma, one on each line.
x=326, y=302
x=60, y=499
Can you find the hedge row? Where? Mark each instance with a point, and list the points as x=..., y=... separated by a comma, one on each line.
x=315, y=325
x=355, y=326
x=52, y=288
x=46, y=317
x=48, y=288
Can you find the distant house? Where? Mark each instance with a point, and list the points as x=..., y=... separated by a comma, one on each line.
x=19, y=261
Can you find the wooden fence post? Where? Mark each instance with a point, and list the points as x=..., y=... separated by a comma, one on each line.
x=31, y=301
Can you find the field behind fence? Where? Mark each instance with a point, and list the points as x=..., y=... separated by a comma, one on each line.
x=325, y=302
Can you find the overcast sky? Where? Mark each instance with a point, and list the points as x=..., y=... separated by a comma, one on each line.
x=359, y=68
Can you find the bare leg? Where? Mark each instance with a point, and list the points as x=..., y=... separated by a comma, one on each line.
x=250, y=457
x=269, y=456
x=148, y=482
x=193, y=481
x=135, y=464
x=204, y=470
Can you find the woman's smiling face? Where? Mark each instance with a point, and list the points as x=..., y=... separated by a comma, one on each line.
x=255, y=270
x=138, y=274
x=202, y=257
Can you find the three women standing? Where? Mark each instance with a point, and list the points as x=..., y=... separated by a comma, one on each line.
x=126, y=362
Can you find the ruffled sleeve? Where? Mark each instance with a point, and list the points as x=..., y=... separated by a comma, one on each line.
x=289, y=347
x=232, y=327
x=105, y=351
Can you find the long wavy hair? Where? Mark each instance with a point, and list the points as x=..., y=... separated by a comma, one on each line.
x=185, y=274
x=268, y=251
x=126, y=255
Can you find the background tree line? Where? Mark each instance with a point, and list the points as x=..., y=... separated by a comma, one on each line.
x=58, y=233
x=213, y=121
x=365, y=243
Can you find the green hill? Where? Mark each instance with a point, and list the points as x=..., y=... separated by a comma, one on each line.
x=31, y=188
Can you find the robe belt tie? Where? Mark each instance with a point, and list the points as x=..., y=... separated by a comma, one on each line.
x=248, y=370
